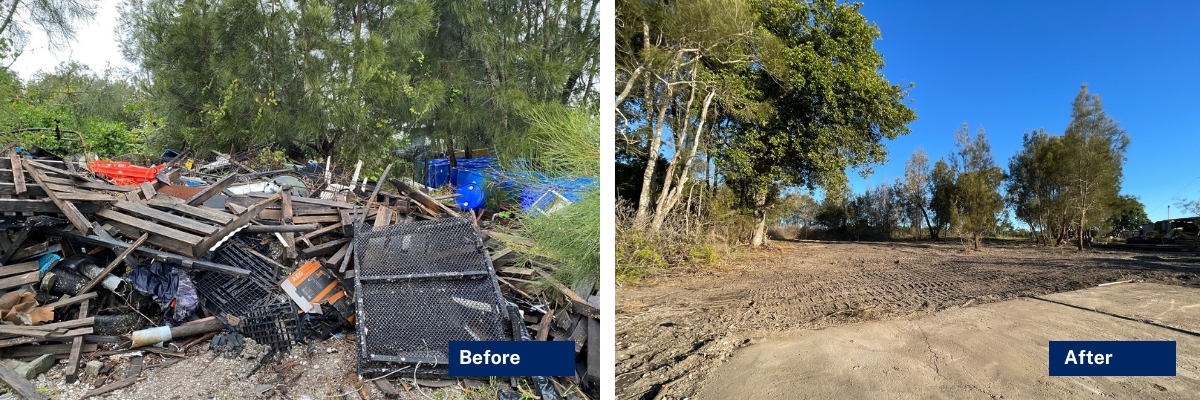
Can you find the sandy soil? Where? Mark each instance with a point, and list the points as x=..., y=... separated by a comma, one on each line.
x=327, y=372
x=673, y=330
x=992, y=351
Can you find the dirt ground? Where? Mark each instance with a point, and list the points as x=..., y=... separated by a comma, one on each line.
x=674, y=329
x=990, y=351
x=327, y=372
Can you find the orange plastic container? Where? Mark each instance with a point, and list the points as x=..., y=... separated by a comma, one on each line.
x=123, y=173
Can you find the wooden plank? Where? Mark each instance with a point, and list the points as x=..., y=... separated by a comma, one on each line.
x=241, y=221
x=52, y=166
x=211, y=191
x=544, y=326
x=286, y=216
x=31, y=250
x=34, y=351
x=41, y=206
x=72, y=213
x=281, y=228
x=34, y=191
x=285, y=201
x=14, y=269
x=73, y=300
x=7, y=163
x=323, y=249
x=165, y=242
x=500, y=254
x=347, y=259
x=316, y=219
x=23, y=331
x=348, y=216
x=593, y=350
x=319, y=232
x=428, y=202
x=77, y=342
x=146, y=226
x=18, y=173
x=578, y=303
x=164, y=217
x=20, y=385
x=307, y=200
x=384, y=218
x=148, y=190
x=509, y=239
x=336, y=258
x=276, y=215
x=113, y=264
x=379, y=183
x=171, y=203
x=516, y=271
x=186, y=262
x=18, y=280
x=85, y=196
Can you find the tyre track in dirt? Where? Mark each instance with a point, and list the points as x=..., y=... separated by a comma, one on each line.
x=673, y=330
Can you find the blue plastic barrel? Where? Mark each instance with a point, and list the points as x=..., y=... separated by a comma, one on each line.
x=438, y=173
x=467, y=176
x=471, y=196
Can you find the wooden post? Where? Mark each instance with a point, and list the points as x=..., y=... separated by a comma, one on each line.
x=77, y=346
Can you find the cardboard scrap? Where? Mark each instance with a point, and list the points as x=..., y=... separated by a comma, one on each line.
x=21, y=308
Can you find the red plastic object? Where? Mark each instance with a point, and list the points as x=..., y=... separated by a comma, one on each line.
x=123, y=173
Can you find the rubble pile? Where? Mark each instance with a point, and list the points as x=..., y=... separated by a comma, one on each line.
x=104, y=261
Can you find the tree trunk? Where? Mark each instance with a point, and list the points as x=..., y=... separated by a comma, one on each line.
x=925, y=214
x=1082, y=215
x=670, y=195
x=760, y=220
x=643, y=209
x=760, y=228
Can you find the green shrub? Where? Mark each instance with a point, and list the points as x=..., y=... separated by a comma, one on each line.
x=704, y=256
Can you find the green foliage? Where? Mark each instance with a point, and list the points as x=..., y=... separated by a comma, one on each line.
x=1127, y=214
x=704, y=255
x=826, y=105
x=359, y=80
x=275, y=158
x=1067, y=184
x=101, y=108
x=570, y=236
x=977, y=186
x=569, y=146
x=942, y=195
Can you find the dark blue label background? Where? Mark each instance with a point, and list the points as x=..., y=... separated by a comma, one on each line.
x=539, y=358
x=1129, y=358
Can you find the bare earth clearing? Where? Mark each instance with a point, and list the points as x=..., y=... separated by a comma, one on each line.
x=673, y=331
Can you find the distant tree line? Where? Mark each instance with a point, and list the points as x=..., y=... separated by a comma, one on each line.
x=1063, y=187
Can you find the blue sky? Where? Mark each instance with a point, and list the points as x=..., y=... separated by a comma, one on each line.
x=1017, y=65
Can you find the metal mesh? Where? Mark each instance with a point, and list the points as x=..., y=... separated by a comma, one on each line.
x=443, y=245
x=418, y=287
x=272, y=325
x=452, y=310
x=230, y=294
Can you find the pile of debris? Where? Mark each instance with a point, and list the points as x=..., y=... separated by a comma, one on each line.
x=105, y=258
